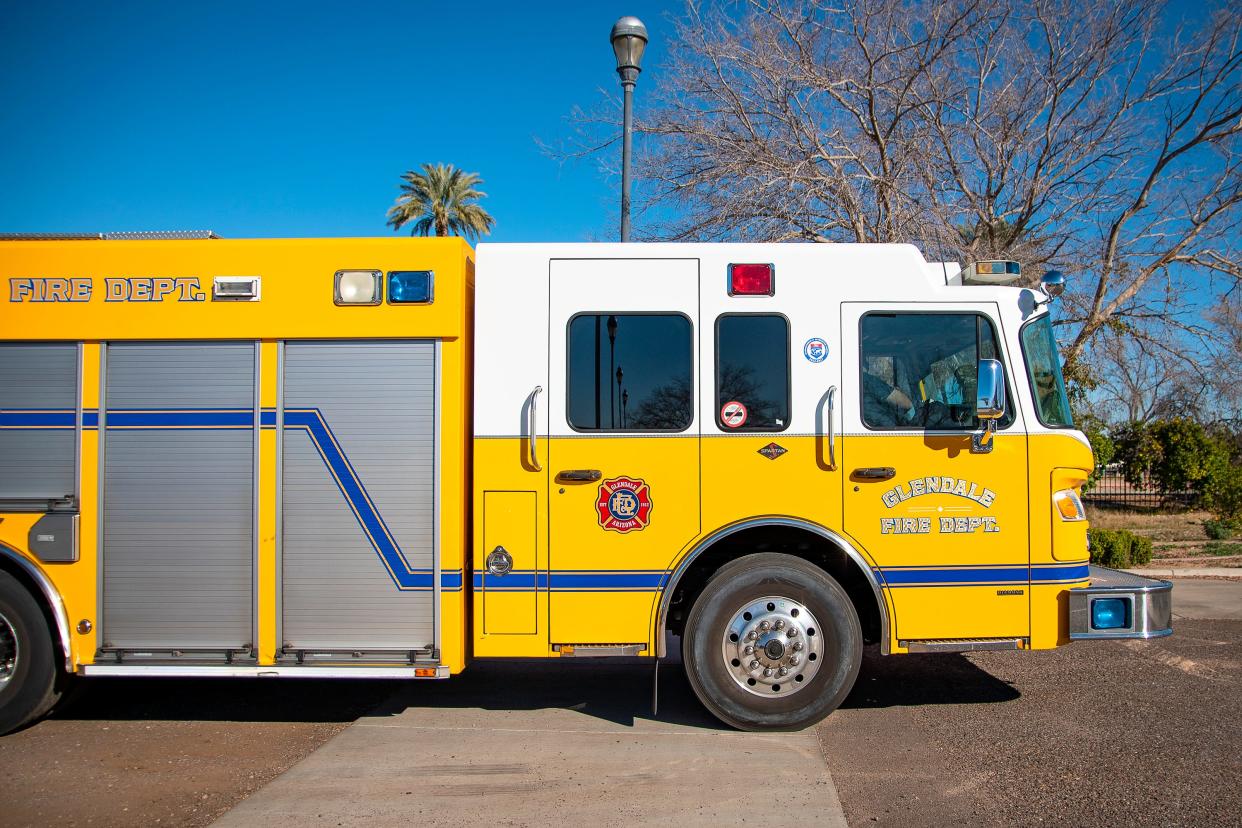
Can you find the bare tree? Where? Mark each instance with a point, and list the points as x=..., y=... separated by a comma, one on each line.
x=1095, y=136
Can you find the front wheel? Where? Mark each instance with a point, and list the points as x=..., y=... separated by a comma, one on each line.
x=772, y=643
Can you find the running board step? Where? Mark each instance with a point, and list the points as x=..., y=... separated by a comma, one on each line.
x=963, y=645
x=598, y=650
x=266, y=671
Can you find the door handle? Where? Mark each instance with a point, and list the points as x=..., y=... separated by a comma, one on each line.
x=876, y=473
x=532, y=424
x=579, y=475
x=832, y=431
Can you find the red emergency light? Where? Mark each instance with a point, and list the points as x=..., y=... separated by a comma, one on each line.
x=752, y=280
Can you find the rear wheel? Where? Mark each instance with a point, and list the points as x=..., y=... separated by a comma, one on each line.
x=28, y=686
x=772, y=643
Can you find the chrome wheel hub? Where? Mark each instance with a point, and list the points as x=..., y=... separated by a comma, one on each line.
x=8, y=651
x=772, y=646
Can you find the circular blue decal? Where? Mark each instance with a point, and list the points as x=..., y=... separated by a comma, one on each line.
x=622, y=504
x=815, y=349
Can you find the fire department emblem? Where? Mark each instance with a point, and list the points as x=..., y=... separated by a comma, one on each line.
x=624, y=504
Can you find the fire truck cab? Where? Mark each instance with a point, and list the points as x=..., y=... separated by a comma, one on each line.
x=387, y=457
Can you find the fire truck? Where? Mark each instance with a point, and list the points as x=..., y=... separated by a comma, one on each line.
x=385, y=458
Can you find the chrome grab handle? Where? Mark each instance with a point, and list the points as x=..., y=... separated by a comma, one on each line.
x=876, y=473
x=531, y=425
x=579, y=475
x=832, y=431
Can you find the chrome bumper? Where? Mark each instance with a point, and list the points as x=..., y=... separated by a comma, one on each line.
x=1149, y=605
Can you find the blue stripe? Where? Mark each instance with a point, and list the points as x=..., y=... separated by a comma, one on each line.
x=924, y=577
x=37, y=419
x=187, y=419
x=1045, y=573
x=355, y=493
x=574, y=581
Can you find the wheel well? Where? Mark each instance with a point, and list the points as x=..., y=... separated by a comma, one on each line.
x=787, y=540
x=10, y=567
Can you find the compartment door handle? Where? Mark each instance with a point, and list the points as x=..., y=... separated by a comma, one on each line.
x=579, y=475
x=876, y=473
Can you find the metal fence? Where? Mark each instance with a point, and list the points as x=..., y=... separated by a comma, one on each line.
x=1113, y=489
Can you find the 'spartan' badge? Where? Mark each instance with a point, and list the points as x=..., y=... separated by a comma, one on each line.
x=772, y=451
x=624, y=504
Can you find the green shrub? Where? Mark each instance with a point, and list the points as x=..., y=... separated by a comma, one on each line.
x=1222, y=494
x=1118, y=548
x=1219, y=529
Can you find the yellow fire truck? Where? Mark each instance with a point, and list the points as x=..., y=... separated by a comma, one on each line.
x=387, y=457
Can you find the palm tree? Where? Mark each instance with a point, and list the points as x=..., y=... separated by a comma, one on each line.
x=441, y=197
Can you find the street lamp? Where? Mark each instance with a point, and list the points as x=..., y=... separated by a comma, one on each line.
x=629, y=39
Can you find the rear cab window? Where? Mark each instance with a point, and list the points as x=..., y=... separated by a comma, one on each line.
x=630, y=372
x=752, y=372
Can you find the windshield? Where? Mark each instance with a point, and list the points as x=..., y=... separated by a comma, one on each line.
x=1043, y=366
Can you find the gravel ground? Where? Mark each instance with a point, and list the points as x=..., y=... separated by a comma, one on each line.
x=168, y=752
x=1099, y=733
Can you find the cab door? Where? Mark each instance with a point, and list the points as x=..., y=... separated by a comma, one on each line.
x=946, y=526
x=623, y=447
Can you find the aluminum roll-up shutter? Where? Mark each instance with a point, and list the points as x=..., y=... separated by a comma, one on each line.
x=178, y=496
x=38, y=420
x=358, y=496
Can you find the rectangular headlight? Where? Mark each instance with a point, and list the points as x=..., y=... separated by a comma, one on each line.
x=411, y=287
x=359, y=287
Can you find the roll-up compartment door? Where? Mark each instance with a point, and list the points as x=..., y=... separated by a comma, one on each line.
x=359, y=497
x=38, y=420
x=178, y=495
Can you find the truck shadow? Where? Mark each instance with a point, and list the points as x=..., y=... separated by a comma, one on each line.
x=620, y=693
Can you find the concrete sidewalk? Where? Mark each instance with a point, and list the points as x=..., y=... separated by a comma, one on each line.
x=1206, y=600
x=1189, y=572
x=525, y=744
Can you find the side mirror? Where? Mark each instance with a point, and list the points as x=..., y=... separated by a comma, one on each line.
x=990, y=393
x=1053, y=284
x=989, y=403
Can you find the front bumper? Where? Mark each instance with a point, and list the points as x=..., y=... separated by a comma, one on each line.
x=1148, y=606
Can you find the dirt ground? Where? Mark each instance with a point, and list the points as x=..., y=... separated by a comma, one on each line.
x=1177, y=537
x=168, y=752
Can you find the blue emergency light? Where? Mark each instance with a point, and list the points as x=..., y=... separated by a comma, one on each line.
x=411, y=287
x=1110, y=614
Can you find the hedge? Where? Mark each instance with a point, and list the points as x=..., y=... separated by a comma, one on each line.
x=1119, y=548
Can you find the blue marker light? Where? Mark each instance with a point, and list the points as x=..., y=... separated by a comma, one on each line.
x=410, y=287
x=1110, y=614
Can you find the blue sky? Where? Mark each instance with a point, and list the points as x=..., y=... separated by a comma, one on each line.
x=282, y=119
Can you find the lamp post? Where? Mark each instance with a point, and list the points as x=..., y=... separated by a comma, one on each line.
x=612, y=351
x=629, y=39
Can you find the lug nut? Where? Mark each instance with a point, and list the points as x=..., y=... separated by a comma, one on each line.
x=749, y=650
x=754, y=665
x=768, y=671
x=780, y=624
x=784, y=671
x=752, y=635
x=765, y=625
x=792, y=632
x=798, y=645
x=794, y=661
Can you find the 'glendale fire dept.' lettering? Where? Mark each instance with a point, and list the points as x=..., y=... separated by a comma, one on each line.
x=938, y=485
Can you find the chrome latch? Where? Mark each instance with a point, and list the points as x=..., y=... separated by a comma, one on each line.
x=499, y=562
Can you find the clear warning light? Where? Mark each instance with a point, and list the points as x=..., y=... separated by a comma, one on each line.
x=752, y=280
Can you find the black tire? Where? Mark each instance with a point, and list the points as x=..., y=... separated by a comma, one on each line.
x=32, y=688
x=735, y=586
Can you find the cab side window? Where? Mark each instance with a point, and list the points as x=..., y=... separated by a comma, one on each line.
x=752, y=372
x=919, y=370
x=630, y=372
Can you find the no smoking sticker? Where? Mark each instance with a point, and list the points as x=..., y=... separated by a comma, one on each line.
x=733, y=414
